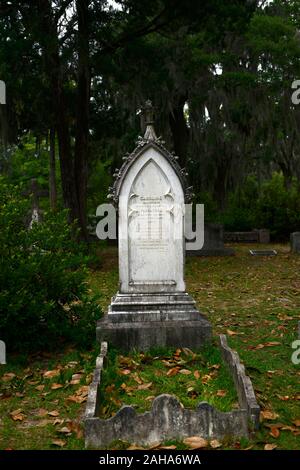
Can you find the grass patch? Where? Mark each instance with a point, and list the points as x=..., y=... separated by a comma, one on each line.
x=42, y=400
x=255, y=301
x=136, y=379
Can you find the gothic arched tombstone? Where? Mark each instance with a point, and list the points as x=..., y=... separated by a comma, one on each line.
x=151, y=307
x=151, y=217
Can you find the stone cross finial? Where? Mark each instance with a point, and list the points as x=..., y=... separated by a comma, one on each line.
x=148, y=112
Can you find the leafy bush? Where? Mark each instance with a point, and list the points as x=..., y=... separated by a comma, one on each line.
x=278, y=207
x=240, y=214
x=272, y=206
x=43, y=288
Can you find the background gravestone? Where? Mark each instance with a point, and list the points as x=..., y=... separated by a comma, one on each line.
x=213, y=242
x=2, y=92
x=295, y=242
x=151, y=307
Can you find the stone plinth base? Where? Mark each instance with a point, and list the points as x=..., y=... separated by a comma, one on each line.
x=143, y=321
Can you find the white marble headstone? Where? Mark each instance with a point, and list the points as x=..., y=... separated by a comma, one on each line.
x=151, y=224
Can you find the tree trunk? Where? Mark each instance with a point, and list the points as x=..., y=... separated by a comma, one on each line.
x=82, y=121
x=52, y=175
x=53, y=69
x=180, y=131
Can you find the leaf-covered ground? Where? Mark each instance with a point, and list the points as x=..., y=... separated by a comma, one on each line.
x=136, y=379
x=255, y=301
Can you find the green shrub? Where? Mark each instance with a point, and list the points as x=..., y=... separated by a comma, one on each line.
x=278, y=207
x=273, y=206
x=43, y=288
x=241, y=207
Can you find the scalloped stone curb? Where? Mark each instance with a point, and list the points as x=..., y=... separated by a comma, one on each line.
x=168, y=419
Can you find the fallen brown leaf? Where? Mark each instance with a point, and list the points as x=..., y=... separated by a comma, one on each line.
x=167, y=447
x=274, y=432
x=17, y=415
x=173, y=371
x=56, y=386
x=64, y=430
x=215, y=444
x=137, y=378
x=144, y=386
x=58, y=421
x=231, y=333
x=206, y=378
x=51, y=373
x=197, y=374
x=283, y=398
x=154, y=445
x=75, y=427
x=76, y=376
x=185, y=371
x=267, y=414
x=8, y=376
x=195, y=442
x=41, y=412
x=43, y=422
x=59, y=442
x=53, y=413
x=221, y=393
x=270, y=446
x=289, y=428
x=76, y=399
x=135, y=447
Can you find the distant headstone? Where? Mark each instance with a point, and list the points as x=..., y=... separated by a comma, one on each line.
x=263, y=252
x=2, y=92
x=2, y=352
x=213, y=242
x=151, y=307
x=295, y=242
x=35, y=192
x=263, y=235
x=253, y=236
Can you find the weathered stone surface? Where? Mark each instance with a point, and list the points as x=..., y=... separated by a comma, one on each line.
x=213, y=243
x=247, y=399
x=263, y=235
x=263, y=252
x=168, y=419
x=141, y=321
x=254, y=236
x=295, y=242
x=151, y=214
x=143, y=335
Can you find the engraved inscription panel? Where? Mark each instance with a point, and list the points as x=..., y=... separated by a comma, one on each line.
x=151, y=227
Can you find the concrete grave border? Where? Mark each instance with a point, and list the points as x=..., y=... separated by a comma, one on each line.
x=168, y=419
